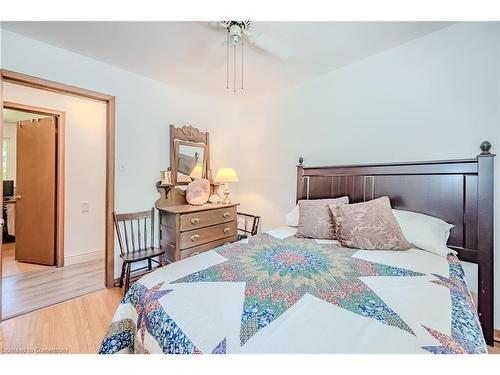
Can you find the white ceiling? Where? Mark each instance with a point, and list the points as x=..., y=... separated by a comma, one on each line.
x=192, y=54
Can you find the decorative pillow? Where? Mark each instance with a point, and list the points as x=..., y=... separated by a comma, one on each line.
x=425, y=232
x=292, y=218
x=368, y=225
x=198, y=191
x=315, y=218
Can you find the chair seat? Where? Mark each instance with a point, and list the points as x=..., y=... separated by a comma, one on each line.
x=141, y=254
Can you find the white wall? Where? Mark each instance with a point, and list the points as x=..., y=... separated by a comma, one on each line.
x=436, y=97
x=10, y=133
x=85, y=167
x=144, y=110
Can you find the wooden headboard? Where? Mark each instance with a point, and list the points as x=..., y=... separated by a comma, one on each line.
x=457, y=191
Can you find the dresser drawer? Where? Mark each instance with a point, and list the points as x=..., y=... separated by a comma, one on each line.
x=204, y=218
x=208, y=234
x=205, y=247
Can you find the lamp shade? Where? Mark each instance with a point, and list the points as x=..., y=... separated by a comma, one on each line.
x=225, y=175
x=197, y=171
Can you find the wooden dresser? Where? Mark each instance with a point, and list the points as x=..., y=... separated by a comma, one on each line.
x=187, y=230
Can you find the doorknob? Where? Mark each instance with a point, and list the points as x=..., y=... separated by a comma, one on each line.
x=18, y=197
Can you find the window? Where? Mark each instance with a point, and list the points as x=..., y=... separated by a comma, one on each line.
x=5, y=161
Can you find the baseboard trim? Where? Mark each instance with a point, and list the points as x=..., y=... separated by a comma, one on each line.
x=84, y=257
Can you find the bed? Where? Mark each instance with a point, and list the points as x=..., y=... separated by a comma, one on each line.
x=275, y=293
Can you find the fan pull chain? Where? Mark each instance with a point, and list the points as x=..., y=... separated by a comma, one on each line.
x=242, y=63
x=227, y=61
x=234, y=69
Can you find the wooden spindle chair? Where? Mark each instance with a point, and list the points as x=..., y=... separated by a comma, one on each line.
x=135, y=243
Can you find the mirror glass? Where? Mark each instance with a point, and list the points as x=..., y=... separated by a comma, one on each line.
x=191, y=162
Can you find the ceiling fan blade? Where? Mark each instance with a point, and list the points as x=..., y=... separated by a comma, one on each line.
x=216, y=25
x=270, y=45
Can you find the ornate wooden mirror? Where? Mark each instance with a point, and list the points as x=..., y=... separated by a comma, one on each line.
x=189, y=155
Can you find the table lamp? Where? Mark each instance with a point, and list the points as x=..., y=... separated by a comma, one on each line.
x=224, y=176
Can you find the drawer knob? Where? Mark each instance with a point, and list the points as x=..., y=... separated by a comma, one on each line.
x=195, y=253
x=195, y=237
x=226, y=214
x=227, y=230
x=195, y=220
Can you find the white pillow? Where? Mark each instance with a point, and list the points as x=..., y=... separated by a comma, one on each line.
x=292, y=218
x=425, y=232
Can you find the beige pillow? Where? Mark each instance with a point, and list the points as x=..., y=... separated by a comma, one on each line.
x=315, y=218
x=368, y=225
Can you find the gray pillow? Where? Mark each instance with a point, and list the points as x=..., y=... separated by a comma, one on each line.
x=315, y=218
x=368, y=225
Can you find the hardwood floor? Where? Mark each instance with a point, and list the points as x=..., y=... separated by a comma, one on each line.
x=496, y=348
x=34, y=290
x=11, y=267
x=74, y=326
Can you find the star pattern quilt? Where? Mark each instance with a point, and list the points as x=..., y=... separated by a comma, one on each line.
x=292, y=295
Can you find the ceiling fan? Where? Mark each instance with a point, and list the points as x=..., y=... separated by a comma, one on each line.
x=243, y=29
x=239, y=32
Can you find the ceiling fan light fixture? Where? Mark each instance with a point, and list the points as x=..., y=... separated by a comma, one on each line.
x=235, y=33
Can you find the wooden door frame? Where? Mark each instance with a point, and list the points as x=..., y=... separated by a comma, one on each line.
x=43, y=84
x=60, y=160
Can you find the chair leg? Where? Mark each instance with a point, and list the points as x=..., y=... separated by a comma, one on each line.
x=150, y=266
x=127, y=279
x=122, y=275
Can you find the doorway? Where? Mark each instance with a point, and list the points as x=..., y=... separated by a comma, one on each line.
x=93, y=278
x=33, y=200
x=29, y=173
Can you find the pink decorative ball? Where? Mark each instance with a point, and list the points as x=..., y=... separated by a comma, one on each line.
x=198, y=191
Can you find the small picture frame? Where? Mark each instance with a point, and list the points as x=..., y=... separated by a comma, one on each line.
x=165, y=177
